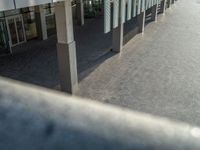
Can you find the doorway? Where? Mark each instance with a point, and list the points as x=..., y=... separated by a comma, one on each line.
x=16, y=31
x=4, y=46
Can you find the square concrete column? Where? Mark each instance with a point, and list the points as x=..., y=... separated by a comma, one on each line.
x=80, y=12
x=154, y=12
x=118, y=33
x=66, y=47
x=141, y=21
x=40, y=19
x=163, y=6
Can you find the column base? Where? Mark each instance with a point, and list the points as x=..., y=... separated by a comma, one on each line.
x=67, y=66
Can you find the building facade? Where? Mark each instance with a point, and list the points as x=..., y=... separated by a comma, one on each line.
x=19, y=26
x=24, y=20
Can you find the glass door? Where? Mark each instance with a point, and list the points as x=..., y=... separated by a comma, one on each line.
x=4, y=46
x=12, y=31
x=20, y=29
x=16, y=30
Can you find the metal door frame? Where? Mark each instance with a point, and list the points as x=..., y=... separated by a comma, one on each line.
x=6, y=36
x=9, y=34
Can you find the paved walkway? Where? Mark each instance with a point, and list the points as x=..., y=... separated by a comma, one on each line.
x=157, y=73
x=37, y=61
x=38, y=64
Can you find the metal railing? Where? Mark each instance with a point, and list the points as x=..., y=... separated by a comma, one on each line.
x=32, y=118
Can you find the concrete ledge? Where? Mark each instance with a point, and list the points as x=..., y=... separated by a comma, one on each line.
x=32, y=118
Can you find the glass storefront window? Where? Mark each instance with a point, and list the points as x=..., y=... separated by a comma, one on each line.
x=25, y=10
x=29, y=23
x=3, y=37
x=93, y=8
x=13, y=32
x=73, y=2
x=1, y=14
x=49, y=9
x=51, y=24
x=50, y=19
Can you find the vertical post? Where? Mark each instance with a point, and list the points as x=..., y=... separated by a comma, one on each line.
x=163, y=6
x=41, y=25
x=117, y=33
x=80, y=12
x=66, y=47
x=154, y=12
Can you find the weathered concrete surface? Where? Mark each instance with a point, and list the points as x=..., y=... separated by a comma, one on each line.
x=157, y=73
x=32, y=118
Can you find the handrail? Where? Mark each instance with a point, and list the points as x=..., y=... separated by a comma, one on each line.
x=32, y=118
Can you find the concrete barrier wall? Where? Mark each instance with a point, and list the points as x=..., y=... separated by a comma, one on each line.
x=32, y=118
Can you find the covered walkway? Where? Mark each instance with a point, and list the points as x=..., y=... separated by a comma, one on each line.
x=37, y=61
x=157, y=72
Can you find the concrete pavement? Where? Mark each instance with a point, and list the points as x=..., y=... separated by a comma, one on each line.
x=158, y=72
